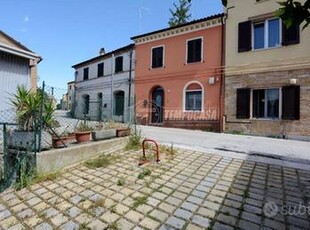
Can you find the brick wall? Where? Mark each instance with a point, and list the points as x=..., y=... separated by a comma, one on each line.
x=268, y=80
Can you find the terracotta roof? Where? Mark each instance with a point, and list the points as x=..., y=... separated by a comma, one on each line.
x=178, y=26
x=128, y=47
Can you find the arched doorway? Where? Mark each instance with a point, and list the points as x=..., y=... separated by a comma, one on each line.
x=157, y=115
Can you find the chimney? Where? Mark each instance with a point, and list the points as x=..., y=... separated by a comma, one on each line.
x=102, y=51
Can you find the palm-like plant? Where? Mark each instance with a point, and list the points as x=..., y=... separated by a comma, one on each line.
x=28, y=105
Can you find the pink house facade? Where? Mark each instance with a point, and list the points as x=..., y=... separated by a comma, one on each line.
x=178, y=75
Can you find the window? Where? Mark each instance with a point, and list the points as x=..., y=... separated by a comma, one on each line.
x=266, y=103
x=85, y=73
x=194, y=50
x=158, y=57
x=193, y=97
x=118, y=64
x=259, y=36
x=100, y=69
x=266, y=34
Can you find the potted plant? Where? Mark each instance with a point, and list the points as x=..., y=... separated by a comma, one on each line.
x=28, y=106
x=83, y=132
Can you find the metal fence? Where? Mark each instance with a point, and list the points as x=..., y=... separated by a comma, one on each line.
x=51, y=114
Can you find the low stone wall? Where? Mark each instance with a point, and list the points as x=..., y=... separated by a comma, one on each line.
x=298, y=129
x=56, y=159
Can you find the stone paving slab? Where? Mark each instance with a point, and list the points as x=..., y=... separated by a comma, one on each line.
x=187, y=190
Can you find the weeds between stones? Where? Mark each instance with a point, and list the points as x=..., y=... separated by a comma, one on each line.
x=101, y=161
x=141, y=200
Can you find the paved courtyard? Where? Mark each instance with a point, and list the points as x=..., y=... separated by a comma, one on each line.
x=187, y=190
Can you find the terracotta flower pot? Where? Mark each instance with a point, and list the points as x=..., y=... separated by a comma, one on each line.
x=82, y=137
x=122, y=132
x=59, y=142
x=70, y=138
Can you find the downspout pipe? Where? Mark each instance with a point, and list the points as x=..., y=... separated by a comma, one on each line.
x=222, y=86
x=130, y=77
x=112, y=83
x=129, y=84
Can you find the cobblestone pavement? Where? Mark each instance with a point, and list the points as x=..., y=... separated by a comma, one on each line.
x=190, y=190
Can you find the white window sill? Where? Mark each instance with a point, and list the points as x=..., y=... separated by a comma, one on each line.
x=192, y=111
x=265, y=119
x=268, y=48
x=155, y=68
x=193, y=63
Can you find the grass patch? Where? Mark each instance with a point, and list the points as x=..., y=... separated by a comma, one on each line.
x=140, y=200
x=121, y=181
x=27, y=179
x=102, y=161
x=144, y=173
x=168, y=150
x=134, y=141
x=47, y=177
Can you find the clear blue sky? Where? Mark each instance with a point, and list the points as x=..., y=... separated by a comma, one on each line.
x=66, y=32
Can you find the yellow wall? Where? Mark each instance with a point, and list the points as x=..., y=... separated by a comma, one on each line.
x=243, y=9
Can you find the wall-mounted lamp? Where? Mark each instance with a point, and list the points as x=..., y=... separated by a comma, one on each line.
x=293, y=81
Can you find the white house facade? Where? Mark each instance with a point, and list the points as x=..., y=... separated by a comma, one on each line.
x=104, y=86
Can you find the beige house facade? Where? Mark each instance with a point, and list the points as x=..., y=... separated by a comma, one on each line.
x=267, y=73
